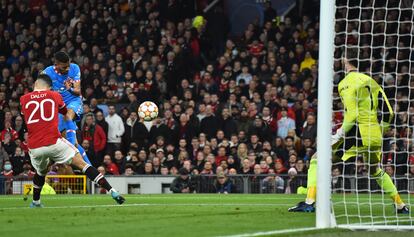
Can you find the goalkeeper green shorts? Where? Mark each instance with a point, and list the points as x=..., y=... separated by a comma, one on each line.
x=369, y=154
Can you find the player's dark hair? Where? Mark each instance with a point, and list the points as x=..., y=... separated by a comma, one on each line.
x=351, y=56
x=62, y=57
x=45, y=79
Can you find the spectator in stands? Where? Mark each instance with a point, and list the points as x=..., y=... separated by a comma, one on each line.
x=115, y=130
x=164, y=170
x=8, y=145
x=3, y=157
x=246, y=167
x=198, y=163
x=284, y=124
x=279, y=167
x=96, y=136
x=156, y=165
x=184, y=129
x=273, y=183
x=120, y=161
x=227, y=123
x=148, y=168
x=339, y=184
x=129, y=170
x=242, y=151
x=183, y=183
x=19, y=126
x=8, y=175
x=27, y=170
x=8, y=130
x=208, y=168
x=100, y=120
x=210, y=124
x=17, y=160
x=309, y=128
x=135, y=131
x=221, y=155
x=110, y=167
x=223, y=184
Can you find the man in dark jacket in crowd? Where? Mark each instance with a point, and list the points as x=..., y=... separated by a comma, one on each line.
x=210, y=124
x=159, y=128
x=183, y=183
x=135, y=131
x=227, y=123
x=184, y=129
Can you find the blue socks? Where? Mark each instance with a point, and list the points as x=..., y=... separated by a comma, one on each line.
x=83, y=154
x=71, y=137
x=71, y=131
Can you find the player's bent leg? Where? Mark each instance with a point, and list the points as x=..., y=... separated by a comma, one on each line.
x=71, y=128
x=93, y=174
x=71, y=131
x=385, y=181
x=83, y=154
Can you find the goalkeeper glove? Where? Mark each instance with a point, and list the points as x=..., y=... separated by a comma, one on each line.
x=337, y=136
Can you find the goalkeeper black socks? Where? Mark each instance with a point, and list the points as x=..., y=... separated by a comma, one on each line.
x=94, y=175
x=38, y=182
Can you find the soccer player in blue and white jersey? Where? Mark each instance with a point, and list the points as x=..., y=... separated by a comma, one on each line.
x=66, y=78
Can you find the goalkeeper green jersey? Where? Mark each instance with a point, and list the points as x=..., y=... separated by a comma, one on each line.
x=359, y=94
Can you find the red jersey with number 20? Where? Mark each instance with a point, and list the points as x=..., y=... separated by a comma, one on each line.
x=40, y=110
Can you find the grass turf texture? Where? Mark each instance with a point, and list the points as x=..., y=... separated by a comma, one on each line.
x=171, y=215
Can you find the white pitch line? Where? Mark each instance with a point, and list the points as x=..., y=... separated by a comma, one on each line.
x=173, y=196
x=151, y=204
x=192, y=197
x=273, y=232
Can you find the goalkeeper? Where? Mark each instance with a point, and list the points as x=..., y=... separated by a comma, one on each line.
x=361, y=133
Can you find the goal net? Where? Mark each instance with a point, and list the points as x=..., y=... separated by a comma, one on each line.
x=381, y=31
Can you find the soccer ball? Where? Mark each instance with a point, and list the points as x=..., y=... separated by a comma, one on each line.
x=148, y=111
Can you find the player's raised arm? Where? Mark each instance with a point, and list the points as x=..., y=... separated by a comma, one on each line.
x=75, y=84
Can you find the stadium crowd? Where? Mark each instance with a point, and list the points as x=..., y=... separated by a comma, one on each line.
x=228, y=105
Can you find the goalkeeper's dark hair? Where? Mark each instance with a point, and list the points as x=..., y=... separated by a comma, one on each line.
x=45, y=79
x=351, y=56
x=62, y=57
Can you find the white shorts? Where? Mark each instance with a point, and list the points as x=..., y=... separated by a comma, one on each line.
x=61, y=153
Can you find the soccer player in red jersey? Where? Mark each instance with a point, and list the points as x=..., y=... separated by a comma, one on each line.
x=40, y=109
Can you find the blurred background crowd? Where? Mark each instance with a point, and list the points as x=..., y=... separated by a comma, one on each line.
x=229, y=104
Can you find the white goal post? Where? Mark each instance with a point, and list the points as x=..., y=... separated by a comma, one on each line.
x=325, y=88
x=382, y=31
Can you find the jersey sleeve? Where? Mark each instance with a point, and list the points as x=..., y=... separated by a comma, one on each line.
x=46, y=71
x=75, y=73
x=348, y=93
x=61, y=104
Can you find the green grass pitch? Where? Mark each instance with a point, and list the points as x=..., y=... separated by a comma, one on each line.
x=174, y=215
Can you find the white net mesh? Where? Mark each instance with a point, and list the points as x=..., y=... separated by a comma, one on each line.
x=382, y=32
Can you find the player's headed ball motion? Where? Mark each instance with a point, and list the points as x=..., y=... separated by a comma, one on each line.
x=148, y=111
x=40, y=110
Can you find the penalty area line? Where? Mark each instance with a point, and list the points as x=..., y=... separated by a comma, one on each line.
x=273, y=232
